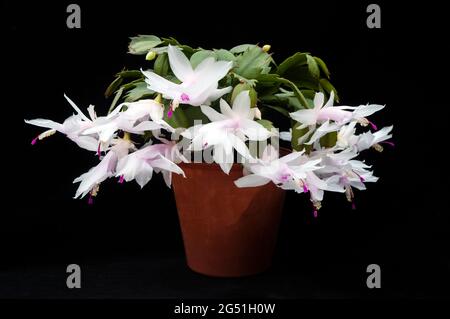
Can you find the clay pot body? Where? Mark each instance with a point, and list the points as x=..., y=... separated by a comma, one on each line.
x=227, y=231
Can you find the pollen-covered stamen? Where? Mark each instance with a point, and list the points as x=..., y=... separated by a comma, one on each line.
x=185, y=97
x=43, y=135
x=316, y=206
x=349, y=193
x=377, y=147
x=364, y=122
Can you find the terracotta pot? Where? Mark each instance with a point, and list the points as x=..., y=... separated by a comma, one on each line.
x=227, y=231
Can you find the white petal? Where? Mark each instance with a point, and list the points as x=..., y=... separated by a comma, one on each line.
x=179, y=64
x=212, y=114
x=305, y=117
x=241, y=104
x=251, y=181
x=45, y=123
x=319, y=99
x=366, y=110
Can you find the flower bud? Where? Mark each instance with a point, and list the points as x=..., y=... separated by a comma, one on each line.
x=151, y=55
x=266, y=48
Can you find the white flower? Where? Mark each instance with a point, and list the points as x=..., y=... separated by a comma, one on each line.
x=74, y=126
x=294, y=171
x=369, y=139
x=341, y=171
x=157, y=157
x=227, y=131
x=140, y=116
x=199, y=86
x=90, y=180
x=330, y=117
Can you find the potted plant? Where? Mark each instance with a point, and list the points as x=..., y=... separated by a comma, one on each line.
x=207, y=121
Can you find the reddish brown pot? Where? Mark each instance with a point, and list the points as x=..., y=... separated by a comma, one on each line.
x=227, y=231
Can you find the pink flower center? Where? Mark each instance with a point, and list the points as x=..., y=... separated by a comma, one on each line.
x=99, y=151
x=121, y=179
x=353, y=206
x=185, y=97
x=315, y=213
x=90, y=200
x=170, y=112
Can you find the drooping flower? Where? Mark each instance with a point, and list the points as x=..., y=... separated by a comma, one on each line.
x=228, y=130
x=369, y=139
x=294, y=171
x=74, y=126
x=198, y=86
x=140, y=116
x=342, y=171
x=329, y=117
x=90, y=181
x=157, y=157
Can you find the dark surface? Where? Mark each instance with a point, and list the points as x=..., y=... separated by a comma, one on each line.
x=129, y=245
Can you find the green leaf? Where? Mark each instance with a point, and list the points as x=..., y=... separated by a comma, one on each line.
x=143, y=43
x=329, y=140
x=115, y=100
x=329, y=87
x=161, y=66
x=138, y=92
x=252, y=63
x=323, y=66
x=178, y=118
x=296, y=134
x=241, y=48
x=224, y=55
x=199, y=56
x=192, y=114
x=313, y=67
x=298, y=59
x=266, y=123
x=113, y=86
x=130, y=74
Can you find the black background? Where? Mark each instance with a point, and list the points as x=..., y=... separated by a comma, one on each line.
x=129, y=244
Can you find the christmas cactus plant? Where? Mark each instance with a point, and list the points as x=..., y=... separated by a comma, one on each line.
x=186, y=103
